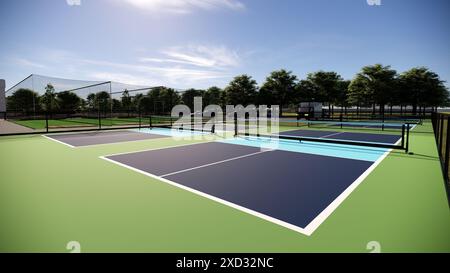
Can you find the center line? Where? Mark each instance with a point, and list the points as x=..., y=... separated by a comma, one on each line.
x=334, y=134
x=215, y=163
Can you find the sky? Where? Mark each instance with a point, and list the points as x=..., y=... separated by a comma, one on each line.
x=202, y=43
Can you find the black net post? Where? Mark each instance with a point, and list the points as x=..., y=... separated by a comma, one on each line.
x=140, y=119
x=99, y=118
x=447, y=151
x=46, y=121
x=150, y=124
x=407, y=138
x=236, y=124
x=403, y=135
x=441, y=128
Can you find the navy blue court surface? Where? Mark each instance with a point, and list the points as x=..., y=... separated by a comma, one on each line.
x=294, y=185
x=363, y=137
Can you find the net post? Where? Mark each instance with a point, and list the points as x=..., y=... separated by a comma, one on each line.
x=99, y=118
x=441, y=133
x=140, y=120
x=46, y=121
x=403, y=135
x=447, y=151
x=235, y=124
x=150, y=122
x=407, y=138
x=341, y=119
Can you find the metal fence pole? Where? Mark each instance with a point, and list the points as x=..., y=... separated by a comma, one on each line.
x=407, y=138
x=441, y=134
x=403, y=135
x=447, y=151
x=46, y=121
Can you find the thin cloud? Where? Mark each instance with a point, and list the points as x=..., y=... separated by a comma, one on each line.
x=202, y=56
x=185, y=6
x=29, y=63
x=185, y=71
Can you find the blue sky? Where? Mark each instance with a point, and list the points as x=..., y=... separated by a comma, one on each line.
x=200, y=43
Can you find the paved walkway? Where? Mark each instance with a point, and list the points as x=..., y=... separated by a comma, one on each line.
x=7, y=127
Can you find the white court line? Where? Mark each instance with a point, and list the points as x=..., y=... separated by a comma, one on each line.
x=160, y=148
x=49, y=136
x=334, y=134
x=308, y=230
x=314, y=224
x=215, y=163
x=60, y=142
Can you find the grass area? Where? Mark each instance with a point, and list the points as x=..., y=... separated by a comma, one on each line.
x=39, y=124
x=51, y=194
x=74, y=122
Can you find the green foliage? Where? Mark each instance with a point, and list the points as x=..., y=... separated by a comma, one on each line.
x=423, y=87
x=213, y=96
x=241, y=90
x=374, y=85
x=48, y=101
x=68, y=101
x=188, y=97
x=24, y=100
x=280, y=88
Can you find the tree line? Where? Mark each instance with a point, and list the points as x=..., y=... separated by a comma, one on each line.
x=375, y=86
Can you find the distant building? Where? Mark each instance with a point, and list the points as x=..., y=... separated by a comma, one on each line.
x=310, y=110
x=2, y=96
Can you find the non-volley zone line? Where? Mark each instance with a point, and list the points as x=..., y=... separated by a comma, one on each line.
x=252, y=180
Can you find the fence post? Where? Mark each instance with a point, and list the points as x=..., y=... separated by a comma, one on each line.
x=235, y=124
x=407, y=137
x=441, y=133
x=46, y=121
x=447, y=151
x=140, y=120
x=403, y=135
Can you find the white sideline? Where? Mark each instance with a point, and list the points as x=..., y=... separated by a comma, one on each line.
x=215, y=163
x=60, y=142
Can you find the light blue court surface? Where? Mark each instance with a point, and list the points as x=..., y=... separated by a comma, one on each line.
x=171, y=132
x=370, y=154
x=308, y=147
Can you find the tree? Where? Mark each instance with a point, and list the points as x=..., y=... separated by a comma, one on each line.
x=342, y=94
x=424, y=88
x=136, y=102
x=241, y=90
x=213, y=96
x=103, y=101
x=48, y=100
x=188, y=97
x=323, y=87
x=126, y=102
x=68, y=101
x=376, y=82
x=91, y=102
x=306, y=92
x=279, y=88
x=116, y=105
x=24, y=100
x=168, y=98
